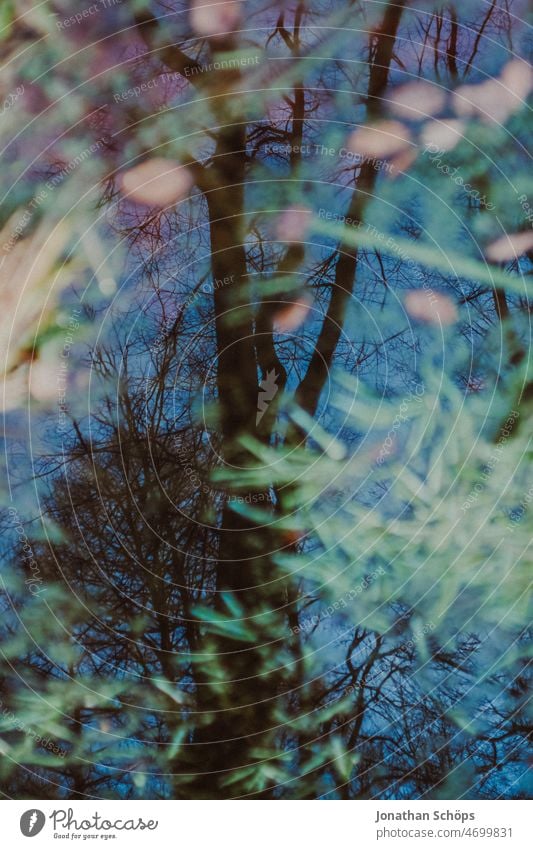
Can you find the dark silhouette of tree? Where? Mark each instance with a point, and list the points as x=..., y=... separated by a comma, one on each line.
x=178, y=498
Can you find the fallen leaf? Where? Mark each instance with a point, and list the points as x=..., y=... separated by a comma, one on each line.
x=510, y=246
x=31, y=262
x=381, y=140
x=442, y=135
x=215, y=19
x=429, y=306
x=517, y=77
x=292, y=315
x=417, y=100
x=157, y=182
x=497, y=99
x=292, y=224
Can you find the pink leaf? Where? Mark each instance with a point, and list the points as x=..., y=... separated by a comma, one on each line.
x=292, y=224
x=432, y=307
x=292, y=315
x=215, y=19
x=383, y=139
x=157, y=182
x=510, y=246
x=417, y=100
x=442, y=135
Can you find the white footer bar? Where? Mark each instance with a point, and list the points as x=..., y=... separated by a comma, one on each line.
x=253, y=825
